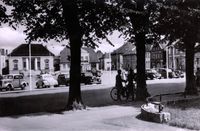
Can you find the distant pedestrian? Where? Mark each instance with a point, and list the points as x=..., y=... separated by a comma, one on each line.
x=131, y=86
x=198, y=77
x=118, y=83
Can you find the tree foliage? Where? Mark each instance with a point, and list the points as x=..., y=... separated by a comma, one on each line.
x=3, y=15
x=180, y=20
x=44, y=19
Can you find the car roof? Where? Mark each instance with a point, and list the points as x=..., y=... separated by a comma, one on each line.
x=14, y=74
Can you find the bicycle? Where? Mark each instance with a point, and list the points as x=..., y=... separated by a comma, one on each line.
x=124, y=93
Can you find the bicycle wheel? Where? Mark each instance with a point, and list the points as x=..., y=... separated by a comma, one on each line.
x=124, y=94
x=113, y=94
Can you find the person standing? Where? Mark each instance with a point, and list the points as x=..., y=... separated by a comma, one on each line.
x=198, y=77
x=131, y=86
x=119, y=84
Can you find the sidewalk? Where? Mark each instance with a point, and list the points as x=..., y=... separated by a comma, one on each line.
x=110, y=118
x=122, y=117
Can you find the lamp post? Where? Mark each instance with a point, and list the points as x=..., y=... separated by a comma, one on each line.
x=30, y=76
x=167, y=61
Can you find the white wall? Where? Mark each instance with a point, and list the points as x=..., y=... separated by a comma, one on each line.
x=20, y=63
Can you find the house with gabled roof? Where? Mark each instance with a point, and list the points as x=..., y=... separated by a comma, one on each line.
x=125, y=57
x=34, y=57
x=94, y=61
x=65, y=58
x=158, y=55
x=105, y=61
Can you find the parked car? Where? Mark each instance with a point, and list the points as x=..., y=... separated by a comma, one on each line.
x=179, y=73
x=153, y=74
x=12, y=81
x=86, y=78
x=63, y=79
x=46, y=80
x=163, y=72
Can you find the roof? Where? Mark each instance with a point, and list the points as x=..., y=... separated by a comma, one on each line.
x=65, y=55
x=99, y=54
x=36, y=50
x=127, y=48
x=92, y=54
x=106, y=56
x=148, y=47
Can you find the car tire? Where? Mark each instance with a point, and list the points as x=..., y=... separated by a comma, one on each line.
x=37, y=86
x=43, y=85
x=9, y=87
x=23, y=86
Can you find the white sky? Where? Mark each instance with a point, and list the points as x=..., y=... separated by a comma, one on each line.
x=10, y=38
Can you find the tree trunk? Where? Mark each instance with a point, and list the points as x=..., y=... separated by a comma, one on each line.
x=141, y=92
x=70, y=14
x=190, y=79
x=138, y=22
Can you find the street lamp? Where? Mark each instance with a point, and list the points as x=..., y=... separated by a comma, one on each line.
x=30, y=76
x=167, y=61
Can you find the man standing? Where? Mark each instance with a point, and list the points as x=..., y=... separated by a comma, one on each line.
x=198, y=77
x=118, y=84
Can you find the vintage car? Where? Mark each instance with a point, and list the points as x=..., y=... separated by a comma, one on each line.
x=89, y=78
x=63, y=79
x=46, y=80
x=12, y=81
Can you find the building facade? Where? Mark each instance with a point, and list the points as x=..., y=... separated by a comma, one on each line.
x=3, y=57
x=105, y=62
x=65, y=58
x=34, y=57
x=158, y=56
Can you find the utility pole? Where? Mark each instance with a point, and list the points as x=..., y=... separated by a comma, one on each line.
x=30, y=76
x=167, y=61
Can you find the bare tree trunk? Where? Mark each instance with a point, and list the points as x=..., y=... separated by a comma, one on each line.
x=138, y=21
x=74, y=31
x=190, y=79
x=141, y=92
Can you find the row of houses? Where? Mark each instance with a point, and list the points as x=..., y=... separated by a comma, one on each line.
x=39, y=59
x=157, y=56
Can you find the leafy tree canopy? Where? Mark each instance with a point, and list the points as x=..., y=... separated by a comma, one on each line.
x=3, y=15
x=178, y=20
x=44, y=20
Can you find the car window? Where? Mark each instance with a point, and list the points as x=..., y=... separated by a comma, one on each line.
x=18, y=77
x=47, y=76
x=88, y=74
x=8, y=77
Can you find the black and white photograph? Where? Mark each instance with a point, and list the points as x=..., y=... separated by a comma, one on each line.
x=99, y=65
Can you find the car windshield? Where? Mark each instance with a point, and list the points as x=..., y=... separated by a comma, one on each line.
x=47, y=77
x=8, y=77
x=88, y=74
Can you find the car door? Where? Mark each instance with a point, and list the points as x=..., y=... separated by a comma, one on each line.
x=16, y=81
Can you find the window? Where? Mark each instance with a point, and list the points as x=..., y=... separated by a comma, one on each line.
x=64, y=66
x=24, y=63
x=46, y=61
x=86, y=59
x=197, y=61
x=15, y=64
x=18, y=77
x=38, y=63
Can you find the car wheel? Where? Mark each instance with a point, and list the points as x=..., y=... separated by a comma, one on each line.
x=23, y=86
x=37, y=85
x=9, y=87
x=43, y=85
